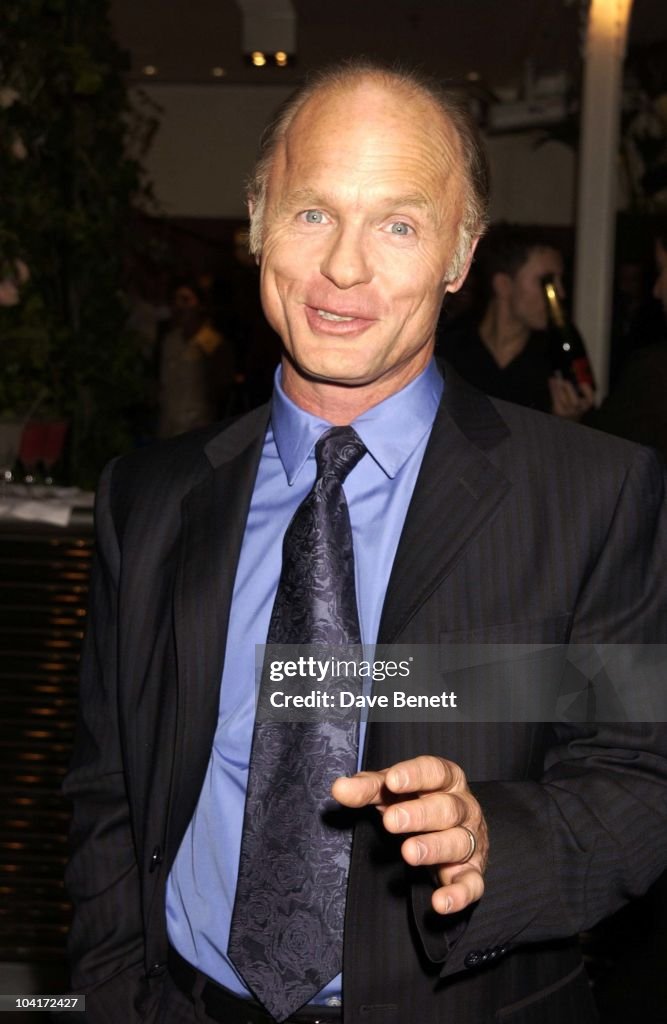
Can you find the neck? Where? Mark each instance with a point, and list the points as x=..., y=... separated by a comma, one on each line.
x=340, y=404
x=504, y=335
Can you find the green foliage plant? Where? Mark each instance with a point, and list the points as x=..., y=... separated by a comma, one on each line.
x=70, y=175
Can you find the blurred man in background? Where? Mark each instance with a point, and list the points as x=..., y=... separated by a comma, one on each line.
x=503, y=347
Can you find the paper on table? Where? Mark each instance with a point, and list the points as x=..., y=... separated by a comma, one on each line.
x=43, y=504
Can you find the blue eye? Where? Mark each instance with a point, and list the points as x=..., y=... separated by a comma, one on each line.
x=399, y=227
x=313, y=217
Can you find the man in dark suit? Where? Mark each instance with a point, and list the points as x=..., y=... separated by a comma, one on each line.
x=479, y=850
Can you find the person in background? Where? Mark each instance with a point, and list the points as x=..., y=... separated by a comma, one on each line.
x=195, y=365
x=504, y=349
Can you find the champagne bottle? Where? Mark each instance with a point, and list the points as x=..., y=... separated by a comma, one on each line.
x=566, y=346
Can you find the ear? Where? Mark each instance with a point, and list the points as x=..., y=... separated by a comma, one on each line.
x=453, y=286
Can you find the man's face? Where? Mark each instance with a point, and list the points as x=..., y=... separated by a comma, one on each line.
x=363, y=209
x=525, y=294
x=660, y=286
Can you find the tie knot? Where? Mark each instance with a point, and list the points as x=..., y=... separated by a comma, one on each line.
x=338, y=451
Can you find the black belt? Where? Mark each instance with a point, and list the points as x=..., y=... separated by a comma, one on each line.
x=224, y=1006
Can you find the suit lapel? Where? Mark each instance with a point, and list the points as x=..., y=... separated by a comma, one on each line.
x=457, y=489
x=214, y=516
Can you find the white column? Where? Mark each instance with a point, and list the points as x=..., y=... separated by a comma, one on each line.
x=598, y=178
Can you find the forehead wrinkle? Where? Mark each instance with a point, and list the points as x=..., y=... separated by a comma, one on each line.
x=305, y=195
x=442, y=147
x=439, y=136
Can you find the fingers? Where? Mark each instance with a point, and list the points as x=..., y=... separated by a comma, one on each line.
x=587, y=398
x=563, y=397
x=418, y=775
x=465, y=887
x=360, y=790
x=424, y=774
x=447, y=846
x=426, y=813
x=462, y=883
x=567, y=401
x=438, y=803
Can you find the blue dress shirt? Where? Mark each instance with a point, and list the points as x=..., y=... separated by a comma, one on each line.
x=202, y=881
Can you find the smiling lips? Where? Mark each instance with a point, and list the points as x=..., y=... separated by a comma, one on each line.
x=332, y=316
x=326, y=321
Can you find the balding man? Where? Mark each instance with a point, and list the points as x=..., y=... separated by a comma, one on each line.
x=213, y=879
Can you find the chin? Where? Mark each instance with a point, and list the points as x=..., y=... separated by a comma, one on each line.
x=337, y=375
x=337, y=368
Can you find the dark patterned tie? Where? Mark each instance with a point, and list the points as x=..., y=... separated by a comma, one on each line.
x=286, y=936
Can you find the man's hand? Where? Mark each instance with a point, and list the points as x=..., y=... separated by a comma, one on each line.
x=567, y=401
x=437, y=802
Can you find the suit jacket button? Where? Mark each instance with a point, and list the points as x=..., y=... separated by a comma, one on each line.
x=156, y=969
x=473, y=959
x=156, y=859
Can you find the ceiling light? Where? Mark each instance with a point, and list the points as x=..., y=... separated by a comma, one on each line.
x=218, y=72
x=258, y=58
x=150, y=70
x=268, y=28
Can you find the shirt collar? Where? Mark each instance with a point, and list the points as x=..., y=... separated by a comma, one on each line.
x=391, y=430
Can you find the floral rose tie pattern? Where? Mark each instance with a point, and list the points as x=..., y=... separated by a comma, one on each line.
x=286, y=936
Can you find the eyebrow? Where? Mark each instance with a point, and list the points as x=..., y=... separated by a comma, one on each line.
x=309, y=197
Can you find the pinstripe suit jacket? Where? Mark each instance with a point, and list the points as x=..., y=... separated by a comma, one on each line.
x=521, y=528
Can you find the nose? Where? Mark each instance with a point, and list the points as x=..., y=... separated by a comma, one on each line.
x=345, y=262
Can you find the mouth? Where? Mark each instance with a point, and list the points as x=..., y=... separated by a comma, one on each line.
x=326, y=315
x=337, y=322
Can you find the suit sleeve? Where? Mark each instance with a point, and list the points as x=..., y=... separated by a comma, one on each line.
x=573, y=846
x=105, y=942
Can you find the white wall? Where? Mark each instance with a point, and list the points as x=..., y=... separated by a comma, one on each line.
x=207, y=141
x=206, y=145
x=531, y=185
